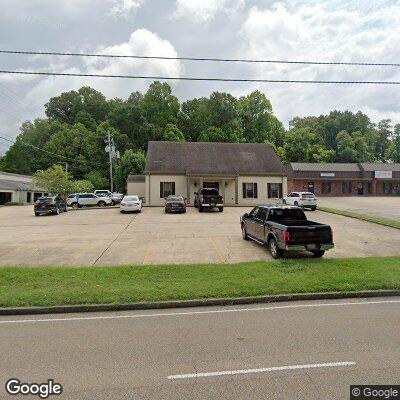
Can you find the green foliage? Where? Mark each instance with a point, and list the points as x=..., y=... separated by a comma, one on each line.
x=77, y=122
x=131, y=162
x=98, y=180
x=173, y=134
x=54, y=180
x=83, y=186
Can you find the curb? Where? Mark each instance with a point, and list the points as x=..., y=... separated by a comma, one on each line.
x=196, y=303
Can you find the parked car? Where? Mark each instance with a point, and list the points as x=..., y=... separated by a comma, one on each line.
x=208, y=198
x=175, y=204
x=50, y=205
x=131, y=203
x=286, y=228
x=78, y=200
x=302, y=199
x=116, y=198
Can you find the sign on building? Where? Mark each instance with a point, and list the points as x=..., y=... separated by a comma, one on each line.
x=383, y=174
x=328, y=174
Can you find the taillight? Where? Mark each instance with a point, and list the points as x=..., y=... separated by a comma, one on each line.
x=286, y=236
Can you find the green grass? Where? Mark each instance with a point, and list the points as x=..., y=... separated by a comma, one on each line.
x=22, y=286
x=363, y=217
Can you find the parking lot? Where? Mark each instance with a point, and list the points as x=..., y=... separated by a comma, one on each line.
x=92, y=237
x=385, y=207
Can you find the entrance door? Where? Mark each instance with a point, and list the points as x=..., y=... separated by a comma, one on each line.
x=360, y=189
x=5, y=197
x=211, y=185
x=311, y=187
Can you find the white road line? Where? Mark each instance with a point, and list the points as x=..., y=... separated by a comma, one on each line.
x=221, y=311
x=259, y=370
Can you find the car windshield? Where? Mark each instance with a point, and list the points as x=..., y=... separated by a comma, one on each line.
x=307, y=195
x=131, y=198
x=45, y=199
x=286, y=214
x=174, y=198
x=210, y=192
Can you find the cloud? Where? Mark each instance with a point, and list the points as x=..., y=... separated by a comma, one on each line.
x=205, y=10
x=140, y=42
x=316, y=31
x=124, y=8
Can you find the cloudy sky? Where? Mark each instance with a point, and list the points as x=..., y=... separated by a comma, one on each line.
x=332, y=30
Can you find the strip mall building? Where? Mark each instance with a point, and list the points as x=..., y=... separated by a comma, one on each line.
x=345, y=179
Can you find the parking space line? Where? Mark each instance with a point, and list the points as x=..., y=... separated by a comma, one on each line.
x=221, y=258
x=259, y=370
x=147, y=252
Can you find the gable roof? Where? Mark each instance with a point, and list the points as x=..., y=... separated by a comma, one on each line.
x=205, y=158
x=370, y=167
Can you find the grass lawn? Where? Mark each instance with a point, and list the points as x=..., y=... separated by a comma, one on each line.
x=22, y=286
x=363, y=217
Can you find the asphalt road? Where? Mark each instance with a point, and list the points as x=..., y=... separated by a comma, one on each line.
x=297, y=350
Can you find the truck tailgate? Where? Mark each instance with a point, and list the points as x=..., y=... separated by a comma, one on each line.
x=310, y=234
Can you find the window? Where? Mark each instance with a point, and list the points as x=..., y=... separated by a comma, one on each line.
x=29, y=197
x=387, y=187
x=274, y=190
x=281, y=214
x=250, y=191
x=326, y=187
x=346, y=187
x=369, y=187
x=261, y=214
x=167, y=189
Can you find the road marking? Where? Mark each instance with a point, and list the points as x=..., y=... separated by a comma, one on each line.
x=147, y=253
x=259, y=370
x=221, y=258
x=172, y=314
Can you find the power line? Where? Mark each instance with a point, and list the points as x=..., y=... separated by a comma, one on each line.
x=185, y=78
x=233, y=60
x=39, y=148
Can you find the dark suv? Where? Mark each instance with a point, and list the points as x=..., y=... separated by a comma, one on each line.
x=50, y=205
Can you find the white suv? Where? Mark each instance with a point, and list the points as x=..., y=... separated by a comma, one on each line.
x=302, y=199
x=77, y=200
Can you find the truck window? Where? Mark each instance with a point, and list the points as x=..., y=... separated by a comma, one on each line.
x=209, y=192
x=286, y=214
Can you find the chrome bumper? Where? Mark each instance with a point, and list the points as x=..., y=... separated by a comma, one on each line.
x=309, y=247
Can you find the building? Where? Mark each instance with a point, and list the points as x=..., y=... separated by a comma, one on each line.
x=15, y=188
x=345, y=179
x=244, y=173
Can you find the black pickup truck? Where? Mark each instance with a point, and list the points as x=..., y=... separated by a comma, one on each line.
x=286, y=228
x=208, y=198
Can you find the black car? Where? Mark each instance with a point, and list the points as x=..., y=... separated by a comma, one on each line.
x=175, y=204
x=50, y=205
x=286, y=228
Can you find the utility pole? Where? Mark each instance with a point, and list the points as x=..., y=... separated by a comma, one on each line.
x=110, y=146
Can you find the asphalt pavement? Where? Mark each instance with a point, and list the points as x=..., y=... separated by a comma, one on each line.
x=294, y=350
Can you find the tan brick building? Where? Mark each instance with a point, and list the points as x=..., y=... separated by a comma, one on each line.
x=345, y=179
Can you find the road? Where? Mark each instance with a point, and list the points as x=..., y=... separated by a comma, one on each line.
x=297, y=350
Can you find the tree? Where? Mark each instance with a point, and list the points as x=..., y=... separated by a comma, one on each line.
x=213, y=134
x=173, y=134
x=131, y=162
x=82, y=186
x=194, y=118
x=98, y=180
x=353, y=147
x=54, y=180
x=393, y=150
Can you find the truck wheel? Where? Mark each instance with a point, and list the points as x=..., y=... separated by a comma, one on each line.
x=221, y=209
x=274, y=249
x=37, y=214
x=318, y=254
x=244, y=233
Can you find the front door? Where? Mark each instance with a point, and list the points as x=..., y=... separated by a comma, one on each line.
x=311, y=187
x=360, y=189
x=211, y=185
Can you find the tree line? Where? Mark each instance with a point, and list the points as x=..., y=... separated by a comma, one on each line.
x=76, y=123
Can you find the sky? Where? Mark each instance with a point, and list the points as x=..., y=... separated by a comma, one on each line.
x=332, y=30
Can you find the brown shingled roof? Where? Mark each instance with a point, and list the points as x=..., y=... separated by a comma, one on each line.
x=204, y=158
